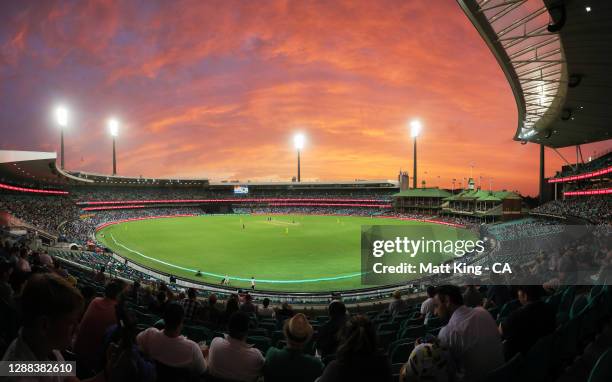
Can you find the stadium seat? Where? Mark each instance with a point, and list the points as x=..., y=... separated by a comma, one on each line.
x=412, y=332
x=402, y=315
x=578, y=306
x=385, y=338
x=411, y=322
x=507, y=309
x=540, y=361
x=258, y=332
x=602, y=371
x=371, y=314
x=494, y=312
x=197, y=333
x=565, y=303
x=268, y=326
x=401, y=352
x=554, y=300
x=434, y=331
x=508, y=372
x=569, y=338
x=434, y=322
x=260, y=342
x=395, y=343
x=388, y=326
x=595, y=292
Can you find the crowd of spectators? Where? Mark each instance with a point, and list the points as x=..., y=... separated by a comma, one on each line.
x=81, y=229
x=42, y=212
x=61, y=215
x=149, y=193
x=604, y=160
x=597, y=209
x=50, y=313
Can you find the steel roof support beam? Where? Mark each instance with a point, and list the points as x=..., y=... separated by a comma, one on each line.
x=538, y=57
x=505, y=3
x=520, y=22
x=536, y=69
x=533, y=47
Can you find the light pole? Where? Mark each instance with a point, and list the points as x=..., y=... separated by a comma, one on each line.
x=61, y=117
x=298, y=142
x=415, y=130
x=113, y=126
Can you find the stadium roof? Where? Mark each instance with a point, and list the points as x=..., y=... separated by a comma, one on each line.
x=40, y=168
x=31, y=167
x=483, y=196
x=424, y=193
x=553, y=54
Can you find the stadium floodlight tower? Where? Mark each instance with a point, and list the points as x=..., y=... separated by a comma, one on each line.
x=113, y=126
x=61, y=117
x=298, y=141
x=415, y=130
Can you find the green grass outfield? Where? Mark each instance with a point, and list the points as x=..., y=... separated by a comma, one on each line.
x=292, y=253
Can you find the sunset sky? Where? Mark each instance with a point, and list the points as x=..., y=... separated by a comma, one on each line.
x=216, y=89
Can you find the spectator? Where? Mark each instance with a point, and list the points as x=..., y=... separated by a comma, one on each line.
x=45, y=260
x=471, y=334
x=358, y=358
x=231, y=307
x=100, y=277
x=397, y=305
x=98, y=317
x=328, y=340
x=428, y=306
x=190, y=304
x=51, y=310
x=526, y=325
x=170, y=297
x=230, y=357
x=428, y=362
x=211, y=314
x=168, y=347
x=58, y=269
x=147, y=299
x=472, y=297
x=497, y=294
x=247, y=306
x=159, y=305
x=135, y=291
x=6, y=291
x=286, y=311
x=23, y=264
x=290, y=363
x=125, y=361
x=88, y=292
x=265, y=311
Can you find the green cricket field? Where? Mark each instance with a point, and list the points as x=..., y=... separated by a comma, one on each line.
x=291, y=253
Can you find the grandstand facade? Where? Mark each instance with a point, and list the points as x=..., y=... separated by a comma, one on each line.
x=481, y=205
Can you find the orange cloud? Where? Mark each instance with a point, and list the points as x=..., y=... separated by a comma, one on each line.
x=217, y=89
